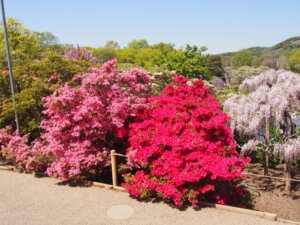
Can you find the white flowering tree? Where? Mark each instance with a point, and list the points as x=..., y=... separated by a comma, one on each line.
x=272, y=97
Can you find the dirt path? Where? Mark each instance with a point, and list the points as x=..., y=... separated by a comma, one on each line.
x=27, y=200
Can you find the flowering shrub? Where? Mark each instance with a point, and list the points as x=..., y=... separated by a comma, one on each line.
x=268, y=99
x=79, y=54
x=26, y=157
x=182, y=150
x=218, y=83
x=85, y=122
x=272, y=94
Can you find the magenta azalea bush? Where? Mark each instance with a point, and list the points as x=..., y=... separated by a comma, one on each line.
x=183, y=151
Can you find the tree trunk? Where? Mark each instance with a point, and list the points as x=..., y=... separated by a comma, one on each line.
x=290, y=125
x=288, y=175
x=267, y=141
x=266, y=166
x=227, y=80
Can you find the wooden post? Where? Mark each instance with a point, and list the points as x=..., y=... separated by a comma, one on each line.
x=267, y=141
x=114, y=172
x=288, y=176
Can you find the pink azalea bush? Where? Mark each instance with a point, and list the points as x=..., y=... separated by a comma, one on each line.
x=25, y=156
x=86, y=121
x=183, y=151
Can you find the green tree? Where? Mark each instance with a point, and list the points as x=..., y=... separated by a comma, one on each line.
x=24, y=45
x=227, y=61
x=214, y=66
x=46, y=39
x=138, y=44
x=104, y=54
x=139, y=57
x=34, y=81
x=242, y=58
x=294, y=61
x=188, y=61
x=111, y=45
x=39, y=69
x=163, y=47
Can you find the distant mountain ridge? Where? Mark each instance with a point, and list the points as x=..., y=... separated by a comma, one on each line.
x=282, y=48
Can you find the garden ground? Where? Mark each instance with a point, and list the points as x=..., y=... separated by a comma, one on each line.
x=25, y=199
x=270, y=192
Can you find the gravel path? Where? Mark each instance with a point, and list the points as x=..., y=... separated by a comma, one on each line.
x=27, y=200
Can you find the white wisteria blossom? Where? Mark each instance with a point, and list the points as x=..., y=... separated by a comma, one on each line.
x=272, y=97
x=270, y=94
x=290, y=150
x=251, y=145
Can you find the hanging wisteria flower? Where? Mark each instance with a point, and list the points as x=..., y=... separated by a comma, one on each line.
x=290, y=150
x=272, y=94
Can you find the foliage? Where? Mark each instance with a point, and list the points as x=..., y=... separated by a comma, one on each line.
x=214, y=66
x=294, y=61
x=188, y=61
x=280, y=49
x=29, y=106
x=138, y=57
x=182, y=150
x=104, y=54
x=107, y=52
x=242, y=58
x=227, y=61
x=34, y=81
x=276, y=57
x=46, y=39
x=138, y=44
x=290, y=43
x=164, y=48
x=38, y=70
x=24, y=45
x=112, y=45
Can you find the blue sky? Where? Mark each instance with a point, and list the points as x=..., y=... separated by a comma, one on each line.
x=222, y=26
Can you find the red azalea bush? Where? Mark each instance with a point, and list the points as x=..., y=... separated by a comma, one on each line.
x=182, y=150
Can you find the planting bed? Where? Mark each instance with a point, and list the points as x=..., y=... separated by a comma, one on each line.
x=270, y=192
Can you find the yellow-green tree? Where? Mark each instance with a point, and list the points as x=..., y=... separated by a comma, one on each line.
x=294, y=61
x=242, y=58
